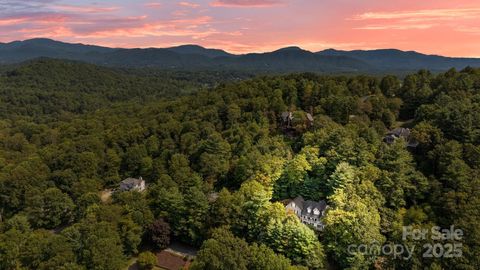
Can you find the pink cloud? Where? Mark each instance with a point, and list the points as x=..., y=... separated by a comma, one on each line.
x=153, y=5
x=11, y=21
x=427, y=14
x=188, y=4
x=191, y=27
x=37, y=18
x=474, y=30
x=180, y=13
x=415, y=19
x=398, y=26
x=245, y=3
x=84, y=9
x=47, y=32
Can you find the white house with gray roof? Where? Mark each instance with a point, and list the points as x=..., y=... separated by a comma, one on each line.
x=309, y=212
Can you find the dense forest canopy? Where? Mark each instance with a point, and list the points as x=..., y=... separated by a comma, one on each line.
x=218, y=164
x=47, y=87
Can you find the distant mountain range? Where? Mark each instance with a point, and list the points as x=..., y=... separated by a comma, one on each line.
x=193, y=57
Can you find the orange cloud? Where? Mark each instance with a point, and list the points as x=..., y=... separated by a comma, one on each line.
x=428, y=14
x=395, y=27
x=415, y=20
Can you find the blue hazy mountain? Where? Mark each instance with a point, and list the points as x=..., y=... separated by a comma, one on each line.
x=194, y=57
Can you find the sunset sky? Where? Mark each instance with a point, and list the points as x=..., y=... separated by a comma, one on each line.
x=443, y=27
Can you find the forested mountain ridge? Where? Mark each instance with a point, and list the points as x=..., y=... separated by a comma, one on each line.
x=396, y=60
x=195, y=49
x=192, y=57
x=228, y=141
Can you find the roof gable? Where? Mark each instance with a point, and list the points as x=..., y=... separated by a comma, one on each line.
x=304, y=205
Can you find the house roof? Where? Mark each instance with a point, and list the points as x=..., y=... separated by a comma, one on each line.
x=413, y=143
x=299, y=201
x=132, y=181
x=304, y=205
x=400, y=132
x=170, y=261
x=320, y=205
x=309, y=117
